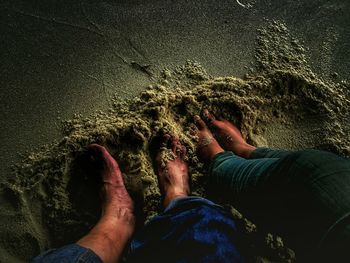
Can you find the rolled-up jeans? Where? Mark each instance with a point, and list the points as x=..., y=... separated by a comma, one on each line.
x=191, y=229
x=72, y=253
x=303, y=196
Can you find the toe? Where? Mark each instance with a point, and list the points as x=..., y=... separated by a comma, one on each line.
x=95, y=147
x=177, y=148
x=96, y=152
x=199, y=122
x=165, y=140
x=208, y=117
x=183, y=152
x=101, y=157
x=99, y=151
x=175, y=144
x=193, y=129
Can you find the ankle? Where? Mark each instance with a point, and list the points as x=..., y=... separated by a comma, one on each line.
x=109, y=237
x=243, y=150
x=172, y=194
x=118, y=215
x=214, y=152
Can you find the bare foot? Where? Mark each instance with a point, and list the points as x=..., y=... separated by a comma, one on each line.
x=207, y=146
x=172, y=170
x=111, y=234
x=228, y=135
x=115, y=197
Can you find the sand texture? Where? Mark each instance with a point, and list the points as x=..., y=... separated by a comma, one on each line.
x=281, y=103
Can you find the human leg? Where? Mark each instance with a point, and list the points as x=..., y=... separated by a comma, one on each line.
x=172, y=170
x=263, y=152
x=111, y=234
x=303, y=195
x=190, y=229
x=116, y=225
x=237, y=175
x=315, y=189
x=228, y=170
x=68, y=254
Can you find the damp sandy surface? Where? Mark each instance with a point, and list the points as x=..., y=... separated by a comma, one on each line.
x=282, y=103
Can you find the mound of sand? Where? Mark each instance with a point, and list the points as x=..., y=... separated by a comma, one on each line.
x=283, y=104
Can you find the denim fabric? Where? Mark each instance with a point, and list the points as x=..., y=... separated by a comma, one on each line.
x=303, y=195
x=236, y=174
x=263, y=152
x=190, y=230
x=68, y=254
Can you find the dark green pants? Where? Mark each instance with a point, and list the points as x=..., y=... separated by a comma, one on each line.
x=304, y=196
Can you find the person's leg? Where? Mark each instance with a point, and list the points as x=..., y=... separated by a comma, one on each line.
x=231, y=172
x=107, y=240
x=264, y=152
x=306, y=193
x=315, y=209
x=68, y=254
x=172, y=170
x=242, y=167
x=190, y=229
x=236, y=175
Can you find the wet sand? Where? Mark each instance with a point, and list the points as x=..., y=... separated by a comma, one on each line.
x=282, y=101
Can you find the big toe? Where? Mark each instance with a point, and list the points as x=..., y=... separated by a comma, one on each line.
x=99, y=151
x=177, y=148
x=165, y=140
x=99, y=155
x=96, y=152
x=199, y=122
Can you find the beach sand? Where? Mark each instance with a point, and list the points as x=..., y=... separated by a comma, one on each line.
x=279, y=103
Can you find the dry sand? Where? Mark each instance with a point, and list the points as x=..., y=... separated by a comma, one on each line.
x=281, y=103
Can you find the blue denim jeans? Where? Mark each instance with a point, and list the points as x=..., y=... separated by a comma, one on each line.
x=68, y=254
x=191, y=229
